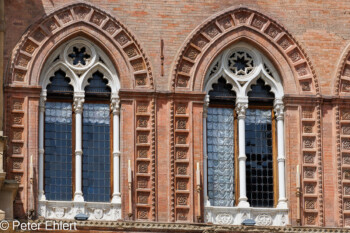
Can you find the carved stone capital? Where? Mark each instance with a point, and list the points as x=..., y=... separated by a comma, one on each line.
x=205, y=106
x=115, y=105
x=241, y=109
x=78, y=104
x=42, y=102
x=279, y=109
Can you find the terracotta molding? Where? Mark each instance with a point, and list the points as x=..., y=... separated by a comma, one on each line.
x=57, y=23
x=194, y=227
x=219, y=25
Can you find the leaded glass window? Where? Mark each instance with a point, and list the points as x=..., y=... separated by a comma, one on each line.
x=59, y=86
x=220, y=148
x=79, y=121
x=97, y=87
x=96, y=150
x=244, y=92
x=259, y=152
x=58, y=151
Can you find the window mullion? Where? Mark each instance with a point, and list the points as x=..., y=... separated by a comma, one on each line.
x=278, y=108
x=41, y=145
x=241, y=106
x=78, y=109
x=116, y=151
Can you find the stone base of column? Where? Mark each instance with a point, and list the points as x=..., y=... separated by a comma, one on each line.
x=243, y=202
x=206, y=201
x=42, y=196
x=78, y=197
x=282, y=204
x=116, y=199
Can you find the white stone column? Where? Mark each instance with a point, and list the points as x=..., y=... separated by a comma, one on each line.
x=116, y=197
x=241, y=106
x=78, y=109
x=205, y=154
x=41, y=145
x=279, y=114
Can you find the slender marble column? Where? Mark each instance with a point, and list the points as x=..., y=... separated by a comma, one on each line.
x=205, y=155
x=116, y=151
x=41, y=145
x=278, y=108
x=241, y=106
x=78, y=109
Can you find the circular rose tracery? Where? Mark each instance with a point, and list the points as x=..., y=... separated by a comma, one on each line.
x=240, y=63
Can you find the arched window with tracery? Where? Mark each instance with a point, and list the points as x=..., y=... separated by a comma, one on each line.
x=79, y=134
x=244, y=168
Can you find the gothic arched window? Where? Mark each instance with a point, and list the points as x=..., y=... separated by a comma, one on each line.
x=243, y=135
x=79, y=134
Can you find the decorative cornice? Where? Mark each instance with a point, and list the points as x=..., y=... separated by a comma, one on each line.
x=193, y=227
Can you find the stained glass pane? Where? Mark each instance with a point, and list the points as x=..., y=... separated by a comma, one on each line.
x=96, y=152
x=58, y=151
x=259, y=162
x=220, y=149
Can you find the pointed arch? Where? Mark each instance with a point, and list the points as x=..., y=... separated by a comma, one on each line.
x=86, y=20
x=342, y=79
x=243, y=24
x=112, y=83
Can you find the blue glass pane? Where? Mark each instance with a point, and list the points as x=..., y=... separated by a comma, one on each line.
x=96, y=153
x=259, y=164
x=60, y=85
x=220, y=149
x=261, y=93
x=58, y=151
x=222, y=93
x=97, y=86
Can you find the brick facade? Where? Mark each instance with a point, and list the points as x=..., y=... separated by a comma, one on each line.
x=161, y=112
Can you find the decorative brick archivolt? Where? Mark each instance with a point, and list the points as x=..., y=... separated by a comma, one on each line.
x=342, y=79
x=80, y=19
x=230, y=26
